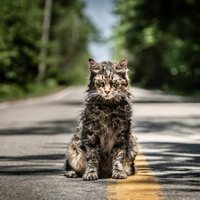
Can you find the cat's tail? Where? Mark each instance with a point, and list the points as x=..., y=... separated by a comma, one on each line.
x=75, y=157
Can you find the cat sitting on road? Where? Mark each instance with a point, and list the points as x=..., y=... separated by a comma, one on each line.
x=104, y=144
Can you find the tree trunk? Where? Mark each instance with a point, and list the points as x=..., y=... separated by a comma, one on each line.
x=44, y=40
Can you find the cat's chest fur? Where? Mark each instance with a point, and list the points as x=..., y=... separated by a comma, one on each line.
x=107, y=122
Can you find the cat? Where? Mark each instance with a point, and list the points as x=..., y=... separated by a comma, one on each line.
x=104, y=145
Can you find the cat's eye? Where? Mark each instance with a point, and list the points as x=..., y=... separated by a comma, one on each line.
x=100, y=82
x=115, y=82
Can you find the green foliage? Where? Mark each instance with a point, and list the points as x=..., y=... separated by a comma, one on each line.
x=19, y=32
x=20, y=43
x=161, y=40
x=8, y=91
x=70, y=33
x=14, y=91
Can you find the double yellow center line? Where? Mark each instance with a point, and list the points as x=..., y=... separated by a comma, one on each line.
x=142, y=186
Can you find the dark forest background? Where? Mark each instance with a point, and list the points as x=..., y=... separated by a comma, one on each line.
x=161, y=40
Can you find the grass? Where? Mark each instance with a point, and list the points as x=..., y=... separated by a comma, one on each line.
x=194, y=94
x=11, y=92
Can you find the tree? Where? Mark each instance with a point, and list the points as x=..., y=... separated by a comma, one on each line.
x=45, y=39
x=19, y=32
x=65, y=41
x=161, y=41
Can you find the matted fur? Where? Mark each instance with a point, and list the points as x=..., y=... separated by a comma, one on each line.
x=104, y=144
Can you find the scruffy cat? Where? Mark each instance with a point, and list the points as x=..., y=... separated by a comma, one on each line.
x=103, y=144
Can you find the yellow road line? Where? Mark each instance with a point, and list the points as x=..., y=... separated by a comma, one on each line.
x=141, y=186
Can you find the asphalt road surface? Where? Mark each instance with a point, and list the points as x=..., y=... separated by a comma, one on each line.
x=34, y=135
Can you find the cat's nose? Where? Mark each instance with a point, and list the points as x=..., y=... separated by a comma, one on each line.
x=107, y=91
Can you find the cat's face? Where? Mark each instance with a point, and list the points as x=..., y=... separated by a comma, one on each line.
x=109, y=79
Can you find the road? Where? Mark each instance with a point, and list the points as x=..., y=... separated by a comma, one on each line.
x=34, y=135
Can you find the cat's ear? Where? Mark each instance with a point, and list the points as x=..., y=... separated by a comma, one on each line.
x=122, y=65
x=94, y=66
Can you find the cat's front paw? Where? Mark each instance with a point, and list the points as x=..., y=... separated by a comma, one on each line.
x=90, y=176
x=70, y=174
x=119, y=175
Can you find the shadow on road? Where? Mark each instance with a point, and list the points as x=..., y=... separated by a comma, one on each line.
x=174, y=125
x=175, y=162
x=43, y=128
x=49, y=164
x=44, y=163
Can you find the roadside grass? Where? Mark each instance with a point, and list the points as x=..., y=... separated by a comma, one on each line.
x=193, y=94
x=12, y=92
